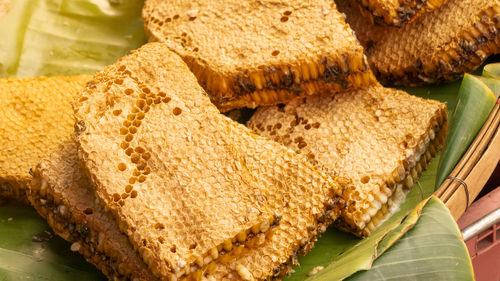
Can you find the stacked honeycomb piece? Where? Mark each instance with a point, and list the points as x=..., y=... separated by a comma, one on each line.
x=379, y=139
x=251, y=53
x=439, y=46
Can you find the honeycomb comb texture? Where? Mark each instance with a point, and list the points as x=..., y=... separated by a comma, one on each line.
x=180, y=177
x=36, y=115
x=62, y=194
x=439, y=46
x=251, y=53
x=395, y=12
x=372, y=137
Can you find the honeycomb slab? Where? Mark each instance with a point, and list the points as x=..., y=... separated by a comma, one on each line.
x=186, y=184
x=439, y=46
x=251, y=53
x=378, y=139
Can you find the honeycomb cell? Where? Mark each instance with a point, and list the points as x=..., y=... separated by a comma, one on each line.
x=133, y=194
x=122, y=167
x=177, y=111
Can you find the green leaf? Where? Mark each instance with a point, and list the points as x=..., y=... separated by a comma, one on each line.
x=66, y=37
x=492, y=83
x=432, y=250
x=492, y=70
x=23, y=259
x=475, y=101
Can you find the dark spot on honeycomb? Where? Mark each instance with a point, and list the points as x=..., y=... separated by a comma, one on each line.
x=315, y=125
x=307, y=127
x=173, y=249
x=161, y=240
x=141, y=179
x=132, y=180
x=129, y=137
x=302, y=145
x=122, y=167
x=119, y=81
x=193, y=246
x=133, y=194
x=287, y=13
x=159, y=226
x=124, y=195
x=146, y=90
x=284, y=19
x=196, y=49
x=121, y=68
x=116, y=197
x=176, y=17
x=177, y=111
x=129, y=151
x=168, y=20
x=141, y=166
x=84, y=230
x=140, y=104
x=133, y=130
x=365, y=179
x=275, y=53
x=88, y=211
x=139, y=149
x=124, y=145
x=166, y=100
x=135, y=158
x=128, y=188
x=117, y=112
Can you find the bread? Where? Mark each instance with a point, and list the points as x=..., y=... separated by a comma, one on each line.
x=62, y=194
x=439, y=46
x=251, y=53
x=379, y=139
x=395, y=12
x=36, y=115
x=185, y=183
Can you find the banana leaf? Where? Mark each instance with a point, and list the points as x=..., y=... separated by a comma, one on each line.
x=432, y=250
x=492, y=70
x=37, y=41
x=475, y=101
x=66, y=37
